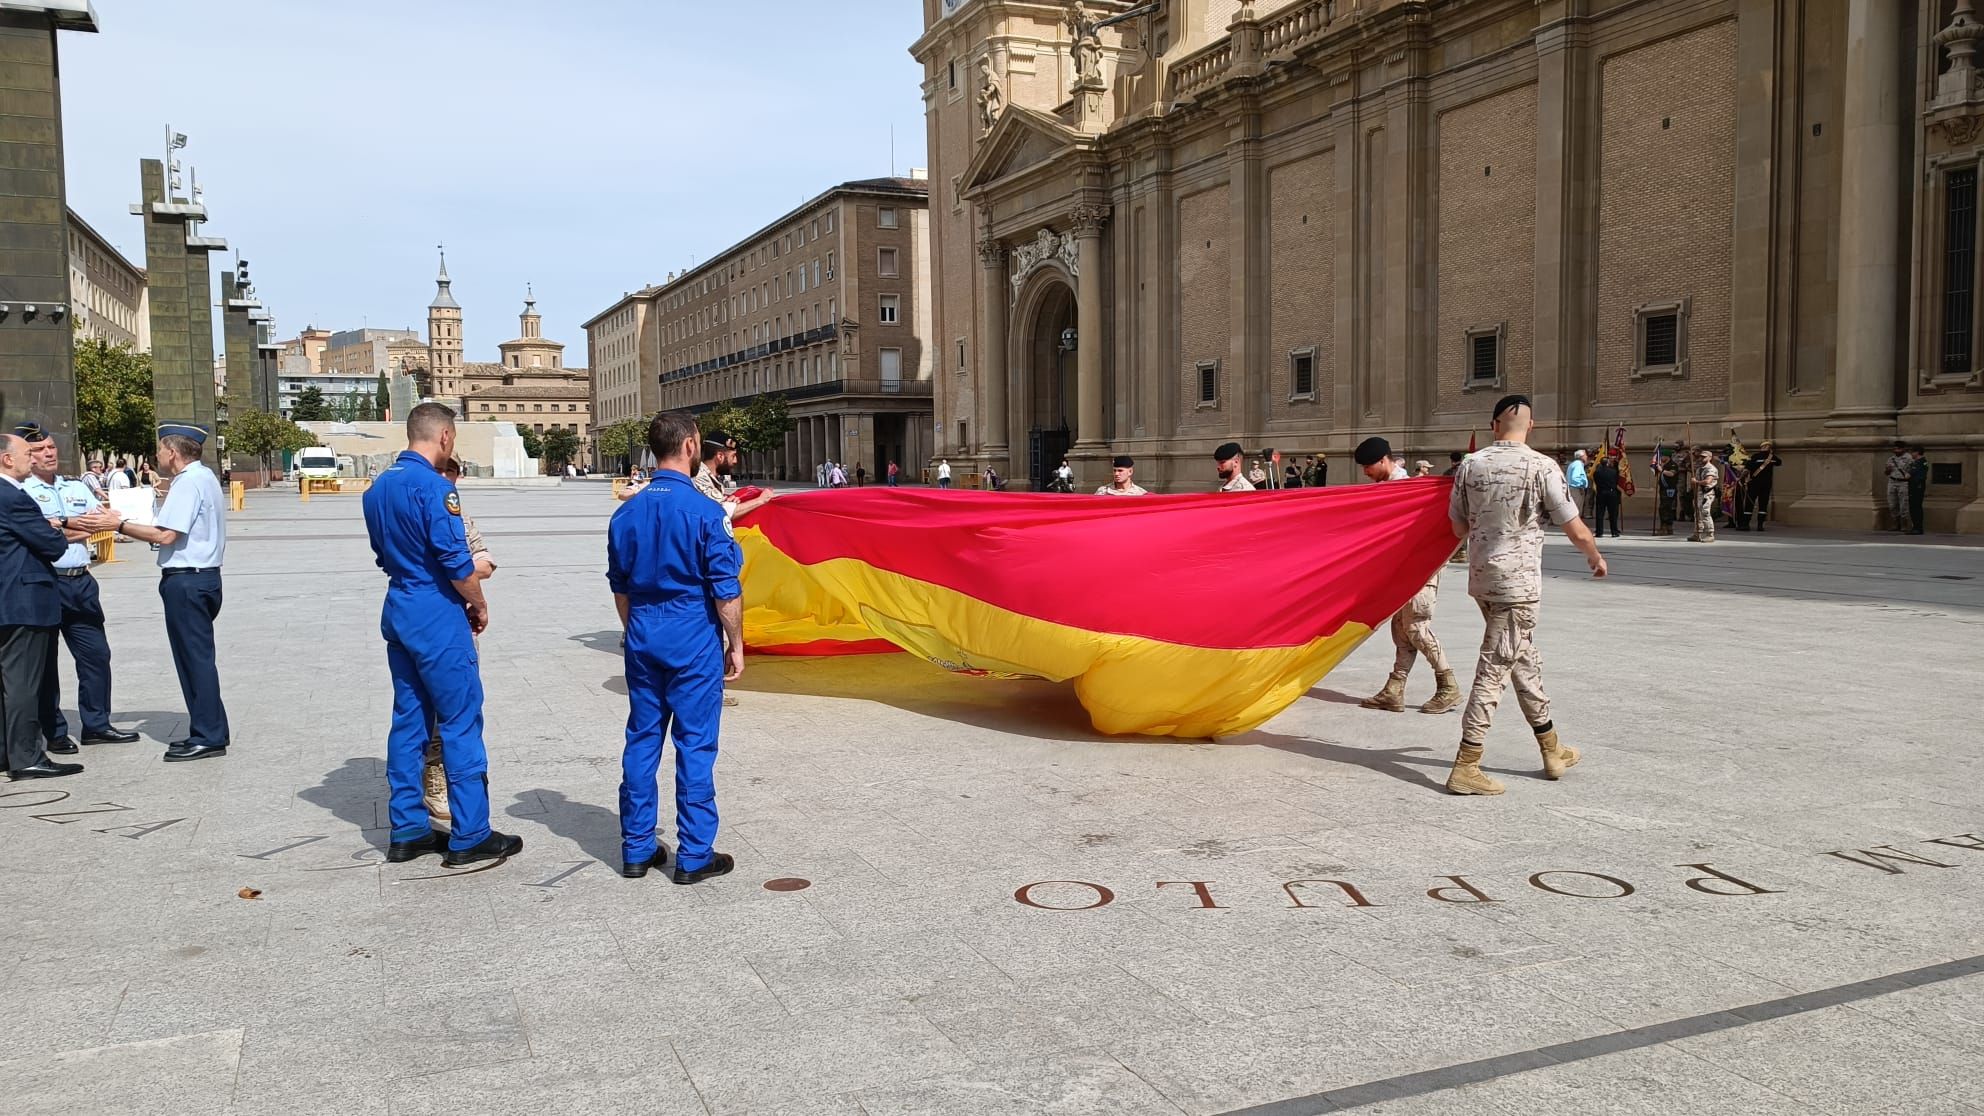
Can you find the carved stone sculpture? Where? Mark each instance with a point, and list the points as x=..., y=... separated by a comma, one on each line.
x=991, y=98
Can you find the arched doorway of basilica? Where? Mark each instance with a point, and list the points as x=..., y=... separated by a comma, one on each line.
x=1046, y=374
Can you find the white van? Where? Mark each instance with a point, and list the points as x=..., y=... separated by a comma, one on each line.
x=317, y=463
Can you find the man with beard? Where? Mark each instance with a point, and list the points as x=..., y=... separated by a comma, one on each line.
x=1231, y=461
x=719, y=458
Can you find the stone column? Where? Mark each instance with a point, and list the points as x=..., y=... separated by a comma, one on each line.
x=1869, y=199
x=37, y=357
x=992, y=373
x=1087, y=220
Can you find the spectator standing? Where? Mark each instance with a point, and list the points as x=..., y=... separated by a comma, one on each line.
x=894, y=475
x=1578, y=477
x=1258, y=476
x=1605, y=483
x=943, y=472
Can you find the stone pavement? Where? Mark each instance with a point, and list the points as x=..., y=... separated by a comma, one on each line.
x=1788, y=722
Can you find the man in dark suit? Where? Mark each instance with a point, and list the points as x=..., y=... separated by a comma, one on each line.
x=30, y=609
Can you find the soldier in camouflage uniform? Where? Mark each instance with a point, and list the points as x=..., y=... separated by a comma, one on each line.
x=1412, y=626
x=1708, y=495
x=1500, y=500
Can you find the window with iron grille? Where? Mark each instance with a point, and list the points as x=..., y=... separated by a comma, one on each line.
x=1483, y=351
x=1661, y=339
x=1482, y=361
x=1208, y=382
x=1302, y=373
x=1959, y=267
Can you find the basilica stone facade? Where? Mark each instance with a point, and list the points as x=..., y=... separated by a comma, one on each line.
x=1157, y=227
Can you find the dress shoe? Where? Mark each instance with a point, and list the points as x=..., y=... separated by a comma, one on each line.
x=636, y=869
x=184, y=751
x=111, y=735
x=46, y=769
x=399, y=852
x=496, y=846
x=62, y=746
x=719, y=865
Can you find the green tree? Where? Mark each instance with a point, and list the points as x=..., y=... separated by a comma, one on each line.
x=560, y=445
x=766, y=423
x=533, y=445
x=113, y=398
x=310, y=406
x=621, y=441
x=261, y=435
x=382, y=400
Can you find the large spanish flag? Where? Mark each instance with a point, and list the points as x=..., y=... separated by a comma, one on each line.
x=1194, y=616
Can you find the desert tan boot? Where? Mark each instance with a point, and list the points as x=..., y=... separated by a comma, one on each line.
x=1444, y=698
x=1556, y=757
x=1467, y=777
x=434, y=785
x=1391, y=699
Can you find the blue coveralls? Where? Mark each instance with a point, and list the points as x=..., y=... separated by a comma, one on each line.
x=414, y=518
x=669, y=551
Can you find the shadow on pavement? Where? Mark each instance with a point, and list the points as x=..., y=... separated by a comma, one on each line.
x=352, y=793
x=607, y=641
x=1023, y=707
x=1406, y=765
x=595, y=829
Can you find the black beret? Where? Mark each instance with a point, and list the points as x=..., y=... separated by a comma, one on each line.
x=1510, y=402
x=1372, y=450
x=1123, y=461
x=1228, y=452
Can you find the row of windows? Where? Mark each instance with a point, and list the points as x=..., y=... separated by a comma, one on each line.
x=757, y=257
x=522, y=408
x=1659, y=345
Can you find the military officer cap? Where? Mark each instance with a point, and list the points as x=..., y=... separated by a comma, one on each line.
x=1228, y=452
x=1372, y=450
x=194, y=431
x=1123, y=461
x=32, y=432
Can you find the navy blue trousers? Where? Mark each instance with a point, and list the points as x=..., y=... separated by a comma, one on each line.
x=82, y=627
x=192, y=600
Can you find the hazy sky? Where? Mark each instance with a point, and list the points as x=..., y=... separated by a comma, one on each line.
x=587, y=147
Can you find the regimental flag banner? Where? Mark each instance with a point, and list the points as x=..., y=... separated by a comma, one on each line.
x=1193, y=616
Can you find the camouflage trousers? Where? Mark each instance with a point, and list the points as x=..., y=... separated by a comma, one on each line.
x=1706, y=506
x=1898, y=504
x=1412, y=634
x=1508, y=653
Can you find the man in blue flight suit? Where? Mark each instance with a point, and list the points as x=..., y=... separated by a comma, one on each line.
x=191, y=533
x=673, y=567
x=76, y=510
x=434, y=609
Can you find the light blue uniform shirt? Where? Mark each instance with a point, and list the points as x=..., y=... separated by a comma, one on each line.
x=1575, y=476
x=60, y=499
x=193, y=508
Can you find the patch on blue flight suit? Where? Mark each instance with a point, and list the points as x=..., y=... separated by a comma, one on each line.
x=454, y=503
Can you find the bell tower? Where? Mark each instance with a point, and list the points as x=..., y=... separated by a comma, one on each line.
x=444, y=337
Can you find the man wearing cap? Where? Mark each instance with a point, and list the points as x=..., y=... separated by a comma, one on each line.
x=1232, y=463
x=191, y=533
x=1122, y=478
x=1412, y=626
x=719, y=457
x=433, y=610
x=29, y=611
x=1708, y=494
x=1502, y=496
x=76, y=511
